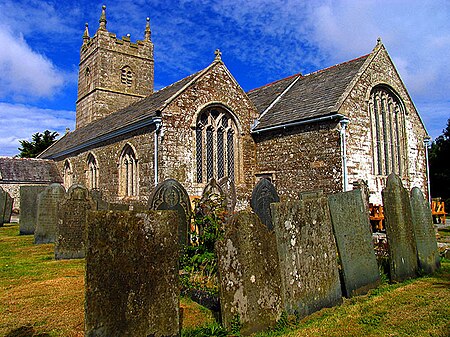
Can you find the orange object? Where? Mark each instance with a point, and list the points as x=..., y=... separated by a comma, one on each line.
x=438, y=211
x=376, y=217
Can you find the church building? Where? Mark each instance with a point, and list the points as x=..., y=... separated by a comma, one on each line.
x=322, y=131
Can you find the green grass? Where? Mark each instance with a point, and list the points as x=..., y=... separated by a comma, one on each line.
x=444, y=232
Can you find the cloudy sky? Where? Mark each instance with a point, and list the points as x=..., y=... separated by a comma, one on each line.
x=261, y=41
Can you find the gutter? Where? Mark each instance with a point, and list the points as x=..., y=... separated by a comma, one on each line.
x=110, y=135
x=297, y=123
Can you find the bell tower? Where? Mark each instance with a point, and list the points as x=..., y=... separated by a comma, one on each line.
x=113, y=73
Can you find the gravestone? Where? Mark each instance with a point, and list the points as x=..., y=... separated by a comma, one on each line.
x=351, y=225
x=229, y=190
x=427, y=250
x=28, y=208
x=2, y=206
x=132, y=284
x=263, y=195
x=308, y=255
x=47, y=213
x=399, y=230
x=97, y=198
x=71, y=229
x=8, y=208
x=212, y=190
x=249, y=275
x=170, y=195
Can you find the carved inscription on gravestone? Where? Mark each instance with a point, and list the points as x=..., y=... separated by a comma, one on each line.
x=351, y=225
x=427, y=250
x=308, y=255
x=132, y=284
x=28, y=208
x=171, y=195
x=249, y=276
x=71, y=229
x=47, y=213
x=263, y=195
x=399, y=230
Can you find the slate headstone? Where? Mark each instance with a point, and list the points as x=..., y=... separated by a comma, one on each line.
x=171, y=195
x=399, y=230
x=132, y=284
x=72, y=217
x=351, y=225
x=308, y=255
x=249, y=276
x=8, y=208
x=263, y=195
x=47, y=213
x=28, y=208
x=424, y=234
x=2, y=206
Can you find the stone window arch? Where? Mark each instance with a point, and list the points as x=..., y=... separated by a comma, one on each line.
x=126, y=76
x=216, y=137
x=92, y=172
x=67, y=174
x=388, y=131
x=128, y=172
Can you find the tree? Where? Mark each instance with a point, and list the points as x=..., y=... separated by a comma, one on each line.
x=439, y=157
x=39, y=142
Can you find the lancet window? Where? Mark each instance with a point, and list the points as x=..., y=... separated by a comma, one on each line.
x=92, y=172
x=388, y=132
x=128, y=172
x=216, y=138
x=68, y=174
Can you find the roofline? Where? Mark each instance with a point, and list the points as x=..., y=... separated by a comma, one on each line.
x=301, y=122
x=274, y=82
x=110, y=135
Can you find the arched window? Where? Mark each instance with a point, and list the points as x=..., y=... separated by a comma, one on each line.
x=388, y=131
x=128, y=172
x=92, y=172
x=68, y=174
x=216, y=140
x=126, y=76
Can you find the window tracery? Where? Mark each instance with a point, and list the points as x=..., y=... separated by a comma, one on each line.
x=92, y=172
x=128, y=172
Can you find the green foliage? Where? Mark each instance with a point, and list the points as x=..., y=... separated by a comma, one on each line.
x=211, y=330
x=439, y=159
x=236, y=325
x=39, y=142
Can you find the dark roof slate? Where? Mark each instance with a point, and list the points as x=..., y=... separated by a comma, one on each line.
x=28, y=170
x=313, y=95
x=143, y=109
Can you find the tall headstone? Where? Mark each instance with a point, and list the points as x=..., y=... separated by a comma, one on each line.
x=427, y=249
x=399, y=230
x=47, y=213
x=263, y=195
x=351, y=225
x=132, y=274
x=8, y=208
x=72, y=217
x=249, y=276
x=212, y=190
x=2, y=206
x=308, y=255
x=28, y=208
x=170, y=195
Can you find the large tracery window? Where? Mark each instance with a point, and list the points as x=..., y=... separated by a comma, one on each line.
x=388, y=132
x=92, y=172
x=128, y=172
x=68, y=174
x=216, y=140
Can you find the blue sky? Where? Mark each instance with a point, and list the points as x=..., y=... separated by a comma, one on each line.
x=261, y=41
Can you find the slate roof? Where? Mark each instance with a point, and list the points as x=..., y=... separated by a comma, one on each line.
x=136, y=112
x=312, y=95
x=28, y=170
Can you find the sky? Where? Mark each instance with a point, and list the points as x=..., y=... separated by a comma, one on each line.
x=261, y=41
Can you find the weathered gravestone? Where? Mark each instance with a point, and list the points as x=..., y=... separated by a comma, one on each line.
x=211, y=191
x=2, y=206
x=249, y=276
x=229, y=190
x=71, y=229
x=28, y=208
x=399, y=230
x=47, y=213
x=350, y=217
x=101, y=204
x=427, y=250
x=263, y=195
x=132, y=274
x=8, y=208
x=170, y=195
x=308, y=255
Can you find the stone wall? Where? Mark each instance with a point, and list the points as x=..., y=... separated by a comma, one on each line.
x=302, y=159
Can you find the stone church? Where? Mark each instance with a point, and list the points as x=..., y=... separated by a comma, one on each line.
x=322, y=131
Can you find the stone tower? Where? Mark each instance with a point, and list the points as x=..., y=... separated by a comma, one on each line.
x=113, y=73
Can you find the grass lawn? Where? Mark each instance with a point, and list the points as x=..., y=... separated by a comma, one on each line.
x=44, y=296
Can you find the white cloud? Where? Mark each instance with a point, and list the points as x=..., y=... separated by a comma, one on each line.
x=25, y=74
x=21, y=121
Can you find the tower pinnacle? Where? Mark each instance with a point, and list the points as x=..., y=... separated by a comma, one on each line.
x=86, y=34
x=102, y=20
x=148, y=32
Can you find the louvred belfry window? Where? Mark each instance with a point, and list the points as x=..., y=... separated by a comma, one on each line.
x=215, y=145
x=126, y=76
